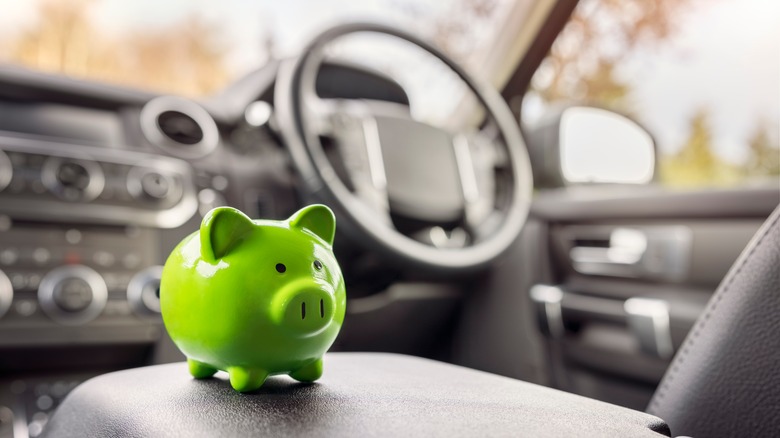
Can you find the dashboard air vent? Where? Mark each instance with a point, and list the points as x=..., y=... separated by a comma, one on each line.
x=179, y=126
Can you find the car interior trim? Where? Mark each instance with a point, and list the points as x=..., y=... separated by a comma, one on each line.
x=54, y=88
x=589, y=203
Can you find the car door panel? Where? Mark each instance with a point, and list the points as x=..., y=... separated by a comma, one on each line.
x=599, y=349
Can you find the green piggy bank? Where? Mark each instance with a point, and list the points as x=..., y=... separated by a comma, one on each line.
x=255, y=297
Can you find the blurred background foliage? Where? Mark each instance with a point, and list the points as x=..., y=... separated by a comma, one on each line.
x=186, y=58
x=582, y=64
x=189, y=58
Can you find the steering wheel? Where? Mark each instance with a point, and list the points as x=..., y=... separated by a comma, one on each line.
x=473, y=191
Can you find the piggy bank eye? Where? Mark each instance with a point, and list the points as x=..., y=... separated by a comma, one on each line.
x=280, y=268
x=318, y=265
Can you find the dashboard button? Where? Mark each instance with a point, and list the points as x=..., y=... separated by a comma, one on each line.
x=18, y=281
x=41, y=256
x=44, y=402
x=33, y=280
x=131, y=261
x=9, y=256
x=155, y=185
x=25, y=307
x=103, y=258
x=148, y=184
x=73, y=236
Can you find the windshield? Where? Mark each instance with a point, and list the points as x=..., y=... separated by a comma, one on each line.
x=196, y=48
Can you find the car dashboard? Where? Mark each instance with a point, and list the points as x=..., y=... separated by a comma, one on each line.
x=97, y=185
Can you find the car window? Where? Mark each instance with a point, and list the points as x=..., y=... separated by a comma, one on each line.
x=701, y=76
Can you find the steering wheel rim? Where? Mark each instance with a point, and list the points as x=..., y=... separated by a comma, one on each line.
x=320, y=179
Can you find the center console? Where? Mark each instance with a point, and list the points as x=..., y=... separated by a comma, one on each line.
x=80, y=255
x=69, y=261
x=359, y=395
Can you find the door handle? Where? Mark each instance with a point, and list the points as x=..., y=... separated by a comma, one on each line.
x=650, y=252
x=626, y=248
x=647, y=319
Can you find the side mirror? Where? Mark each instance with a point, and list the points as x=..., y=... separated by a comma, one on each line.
x=586, y=145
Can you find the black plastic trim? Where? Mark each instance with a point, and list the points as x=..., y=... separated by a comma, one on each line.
x=518, y=83
x=583, y=204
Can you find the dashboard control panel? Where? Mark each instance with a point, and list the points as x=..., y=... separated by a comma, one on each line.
x=42, y=180
x=85, y=284
x=80, y=246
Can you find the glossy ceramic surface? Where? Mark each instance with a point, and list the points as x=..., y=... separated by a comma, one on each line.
x=255, y=297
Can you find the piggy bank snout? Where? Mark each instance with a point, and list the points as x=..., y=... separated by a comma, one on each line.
x=304, y=307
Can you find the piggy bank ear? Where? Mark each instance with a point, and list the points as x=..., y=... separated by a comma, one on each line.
x=316, y=218
x=221, y=230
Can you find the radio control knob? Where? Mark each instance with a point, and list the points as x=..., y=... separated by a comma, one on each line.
x=143, y=292
x=6, y=170
x=73, y=294
x=153, y=185
x=6, y=293
x=73, y=180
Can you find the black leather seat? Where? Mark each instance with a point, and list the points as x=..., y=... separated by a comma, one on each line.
x=725, y=379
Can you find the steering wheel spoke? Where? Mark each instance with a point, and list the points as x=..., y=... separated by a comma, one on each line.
x=363, y=175
x=352, y=129
x=476, y=158
x=322, y=115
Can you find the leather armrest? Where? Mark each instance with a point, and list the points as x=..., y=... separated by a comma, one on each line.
x=360, y=394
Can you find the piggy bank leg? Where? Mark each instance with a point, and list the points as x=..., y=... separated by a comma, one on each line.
x=246, y=379
x=200, y=370
x=309, y=373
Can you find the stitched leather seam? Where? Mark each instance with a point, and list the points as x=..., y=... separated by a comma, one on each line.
x=661, y=393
